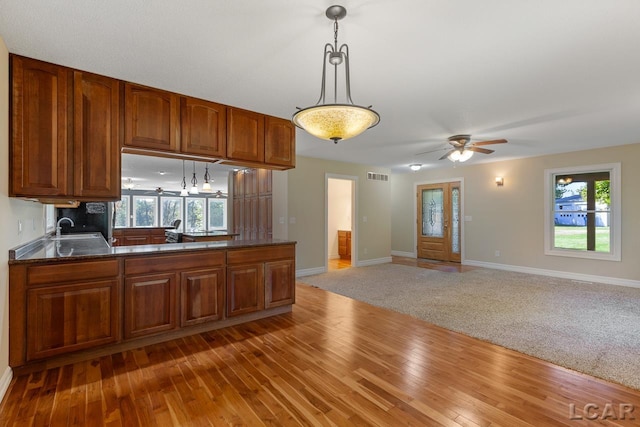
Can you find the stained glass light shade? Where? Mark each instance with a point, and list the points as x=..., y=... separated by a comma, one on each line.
x=336, y=122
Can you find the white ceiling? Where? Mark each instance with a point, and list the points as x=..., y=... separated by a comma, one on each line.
x=550, y=76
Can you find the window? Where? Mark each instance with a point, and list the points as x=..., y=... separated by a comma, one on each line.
x=122, y=212
x=170, y=210
x=49, y=218
x=583, y=212
x=217, y=214
x=195, y=215
x=145, y=211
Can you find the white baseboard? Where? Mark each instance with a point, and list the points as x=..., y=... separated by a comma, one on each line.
x=5, y=381
x=404, y=254
x=367, y=262
x=555, y=273
x=311, y=271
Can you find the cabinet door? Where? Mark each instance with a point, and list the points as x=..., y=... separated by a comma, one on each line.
x=202, y=296
x=265, y=227
x=66, y=318
x=149, y=304
x=280, y=142
x=96, y=136
x=151, y=118
x=203, y=127
x=279, y=283
x=245, y=288
x=245, y=135
x=39, y=149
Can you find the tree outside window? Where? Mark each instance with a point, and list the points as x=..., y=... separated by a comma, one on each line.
x=195, y=214
x=145, y=211
x=170, y=210
x=122, y=212
x=217, y=214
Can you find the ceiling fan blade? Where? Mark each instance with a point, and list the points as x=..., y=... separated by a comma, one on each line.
x=431, y=151
x=479, y=150
x=493, y=141
x=446, y=155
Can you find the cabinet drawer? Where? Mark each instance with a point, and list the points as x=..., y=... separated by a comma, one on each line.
x=265, y=253
x=57, y=273
x=157, y=264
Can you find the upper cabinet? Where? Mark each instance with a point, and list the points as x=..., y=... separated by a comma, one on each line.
x=203, y=127
x=245, y=135
x=39, y=148
x=279, y=142
x=64, y=133
x=150, y=118
x=96, y=139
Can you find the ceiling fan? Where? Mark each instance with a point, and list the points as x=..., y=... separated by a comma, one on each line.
x=159, y=191
x=462, y=150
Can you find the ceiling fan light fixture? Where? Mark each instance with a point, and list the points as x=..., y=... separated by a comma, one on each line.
x=335, y=121
x=460, y=155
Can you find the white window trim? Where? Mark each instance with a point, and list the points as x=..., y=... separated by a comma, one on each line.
x=224, y=213
x=615, y=228
x=133, y=211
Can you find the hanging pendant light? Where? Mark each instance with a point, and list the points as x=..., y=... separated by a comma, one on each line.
x=206, y=187
x=194, y=181
x=337, y=121
x=184, y=192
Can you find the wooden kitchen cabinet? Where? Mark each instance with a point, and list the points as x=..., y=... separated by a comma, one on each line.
x=65, y=133
x=259, y=278
x=202, y=295
x=344, y=244
x=151, y=118
x=280, y=142
x=40, y=129
x=96, y=139
x=203, y=128
x=158, y=287
x=245, y=135
x=279, y=283
x=69, y=307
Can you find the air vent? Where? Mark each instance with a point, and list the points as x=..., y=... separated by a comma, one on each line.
x=377, y=176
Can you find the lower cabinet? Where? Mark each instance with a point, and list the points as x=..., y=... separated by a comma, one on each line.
x=260, y=278
x=59, y=307
x=202, y=296
x=150, y=304
x=164, y=292
x=66, y=307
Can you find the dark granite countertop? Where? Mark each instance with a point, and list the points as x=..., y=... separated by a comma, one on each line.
x=93, y=245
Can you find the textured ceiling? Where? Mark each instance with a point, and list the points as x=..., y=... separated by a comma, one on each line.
x=550, y=76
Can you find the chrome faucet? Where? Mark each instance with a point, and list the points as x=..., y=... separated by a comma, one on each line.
x=59, y=228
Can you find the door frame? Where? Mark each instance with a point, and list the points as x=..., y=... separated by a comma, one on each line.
x=415, y=212
x=354, y=217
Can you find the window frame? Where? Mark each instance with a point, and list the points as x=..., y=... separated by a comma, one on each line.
x=615, y=230
x=128, y=215
x=181, y=211
x=204, y=214
x=225, y=204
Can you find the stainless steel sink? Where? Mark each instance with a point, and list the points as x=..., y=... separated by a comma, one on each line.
x=77, y=236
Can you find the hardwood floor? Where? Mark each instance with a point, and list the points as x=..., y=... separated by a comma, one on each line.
x=331, y=361
x=338, y=264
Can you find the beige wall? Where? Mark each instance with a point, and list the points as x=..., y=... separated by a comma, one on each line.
x=11, y=211
x=306, y=211
x=510, y=219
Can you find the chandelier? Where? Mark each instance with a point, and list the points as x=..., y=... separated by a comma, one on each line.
x=335, y=121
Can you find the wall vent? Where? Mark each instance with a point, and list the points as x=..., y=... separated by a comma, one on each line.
x=377, y=176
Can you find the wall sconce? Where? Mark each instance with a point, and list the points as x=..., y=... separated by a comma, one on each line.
x=415, y=167
x=499, y=181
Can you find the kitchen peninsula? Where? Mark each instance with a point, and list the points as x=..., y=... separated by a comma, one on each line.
x=76, y=297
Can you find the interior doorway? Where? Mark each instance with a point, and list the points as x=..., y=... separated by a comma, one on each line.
x=439, y=225
x=340, y=222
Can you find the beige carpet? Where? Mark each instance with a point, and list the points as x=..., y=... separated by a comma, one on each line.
x=588, y=327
